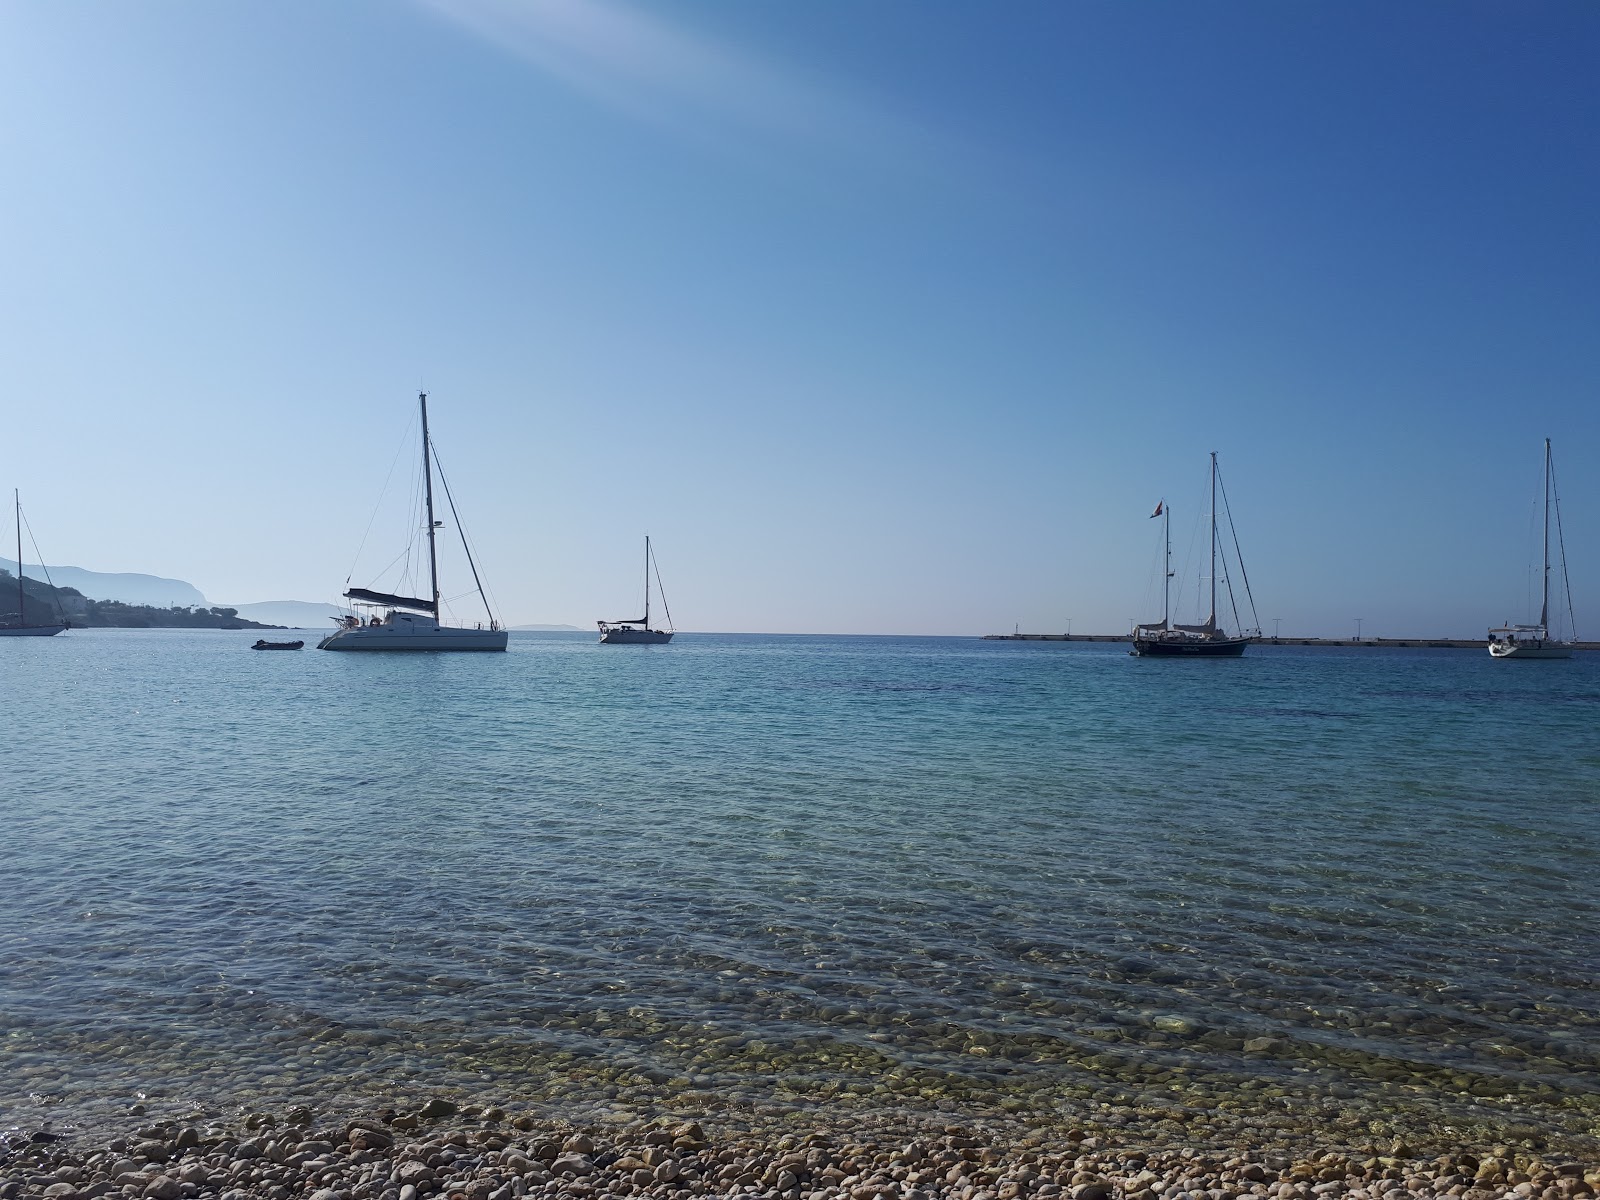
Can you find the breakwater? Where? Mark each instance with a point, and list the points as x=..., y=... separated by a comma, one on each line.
x=1368, y=643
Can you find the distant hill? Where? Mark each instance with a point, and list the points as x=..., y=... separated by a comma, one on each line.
x=295, y=614
x=46, y=603
x=128, y=588
x=546, y=628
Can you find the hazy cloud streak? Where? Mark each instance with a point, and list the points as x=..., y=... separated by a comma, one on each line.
x=638, y=65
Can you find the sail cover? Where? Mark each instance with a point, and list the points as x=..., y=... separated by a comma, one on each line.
x=365, y=596
x=640, y=621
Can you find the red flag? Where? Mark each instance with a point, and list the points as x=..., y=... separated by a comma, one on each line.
x=1159, y=505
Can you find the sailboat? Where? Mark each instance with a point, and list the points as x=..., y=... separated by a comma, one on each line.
x=21, y=628
x=1534, y=641
x=412, y=622
x=639, y=633
x=1210, y=640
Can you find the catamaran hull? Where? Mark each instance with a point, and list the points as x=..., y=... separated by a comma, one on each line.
x=33, y=631
x=1546, y=650
x=1211, y=648
x=634, y=637
x=442, y=638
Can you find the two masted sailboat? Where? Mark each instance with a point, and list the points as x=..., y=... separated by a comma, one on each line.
x=1208, y=640
x=397, y=622
x=1534, y=641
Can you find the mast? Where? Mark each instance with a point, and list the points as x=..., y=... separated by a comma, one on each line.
x=16, y=497
x=1544, y=606
x=427, y=476
x=1166, y=579
x=1211, y=621
x=647, y=581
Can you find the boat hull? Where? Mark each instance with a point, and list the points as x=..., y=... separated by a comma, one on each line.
x=32, y=630
x=1189, y=647
x=634, y=637
x=441, y=637
x=1529, y=650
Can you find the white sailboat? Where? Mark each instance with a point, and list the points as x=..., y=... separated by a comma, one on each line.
x=413, y=622
x=1209, y=640
x=639, y=633
x=1534, y=641
x=19, y=627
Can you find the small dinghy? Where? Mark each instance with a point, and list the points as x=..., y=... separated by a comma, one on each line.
x=263, y=644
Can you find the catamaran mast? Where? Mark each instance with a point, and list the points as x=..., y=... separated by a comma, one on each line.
x=647, y=581
x=427, y=476
x=1544, y=606
x=1211, y=621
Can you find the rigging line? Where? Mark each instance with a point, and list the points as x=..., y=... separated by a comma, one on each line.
x=383, y=492
x=1561, y=541
x=1156, y=568
x=417, y=519
x=461, y=529
x=1188, y=560
x=661, y=591
x=55, y=596
x=466, y=542
x=1233, y=604
x=404, y=577
x=1245, y=575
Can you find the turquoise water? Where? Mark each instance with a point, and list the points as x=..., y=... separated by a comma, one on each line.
x=1348, y=889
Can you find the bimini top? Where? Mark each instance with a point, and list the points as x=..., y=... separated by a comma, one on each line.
x=367, y=596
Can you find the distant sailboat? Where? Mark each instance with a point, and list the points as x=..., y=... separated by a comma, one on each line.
x=1169, y=639
x=1534, y=641
x=412, y=622
x=20, y=627
x=639, y=633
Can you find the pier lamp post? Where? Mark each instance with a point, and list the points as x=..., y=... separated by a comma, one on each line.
x=1276, y=621
x=1069, y=629
x=1358, y=621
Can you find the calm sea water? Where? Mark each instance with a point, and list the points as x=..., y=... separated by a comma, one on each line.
x=1038, y=882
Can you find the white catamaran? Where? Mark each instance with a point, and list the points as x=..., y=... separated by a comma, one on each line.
x=413, y=622
x=1171, y=640
x=639, y=633
x=19, y=627
x=1534, y=641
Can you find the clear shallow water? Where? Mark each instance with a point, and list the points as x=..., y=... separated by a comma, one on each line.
x=1342, y=889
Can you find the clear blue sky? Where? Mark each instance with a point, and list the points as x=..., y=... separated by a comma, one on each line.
x=888, y=317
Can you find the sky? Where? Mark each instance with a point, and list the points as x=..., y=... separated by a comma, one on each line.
x=878, y=318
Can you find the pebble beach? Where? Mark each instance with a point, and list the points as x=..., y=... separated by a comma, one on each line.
x=442, y=1150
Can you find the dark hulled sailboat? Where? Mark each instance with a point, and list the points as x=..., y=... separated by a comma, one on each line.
x=639, y=633
x=1207, y=640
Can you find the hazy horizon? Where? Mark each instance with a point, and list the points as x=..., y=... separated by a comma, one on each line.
x=878, y=320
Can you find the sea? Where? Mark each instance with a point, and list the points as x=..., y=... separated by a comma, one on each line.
x=1343, y=893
